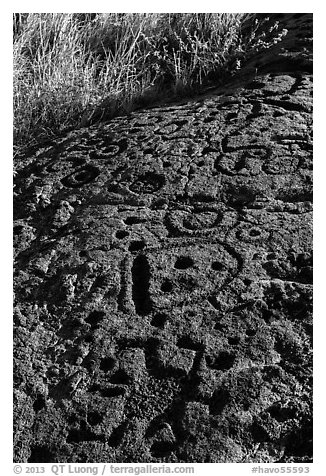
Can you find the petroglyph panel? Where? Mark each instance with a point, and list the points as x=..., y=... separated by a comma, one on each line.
x=163, y=277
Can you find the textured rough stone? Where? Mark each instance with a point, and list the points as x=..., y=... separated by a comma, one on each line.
x=164, y=277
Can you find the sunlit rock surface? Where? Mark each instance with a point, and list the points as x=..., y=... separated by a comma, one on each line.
x=163, y=277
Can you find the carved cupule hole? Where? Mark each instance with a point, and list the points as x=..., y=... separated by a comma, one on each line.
x=282, y=414
x=101, y=282
x=94, y=418
x=254, y=232
x=160, y=449
x=77, y=161
x=201, y=197
x=234, y=340
x=241, y=197
x=219, y=400
x=95, y=317
x=117, y=435
x=82, y=434
x=39, y=403
x=166, y=286
x=149, y=182
x=107, y=364
x=81, y=177
x=231, y=115
x=223, y=361
x=140, y=285
x=111, y=392
x=185, y=342
x=40, y=454
x=120, y=377
x=295, y=196
x=184, y=262
x=214, y=302
x=136, y=246
x=120, y=234
x=112, y=149
x=134, y=220
x=217, y=266
x=159, y=320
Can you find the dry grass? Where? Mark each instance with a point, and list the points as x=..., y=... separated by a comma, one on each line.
x=71, y=70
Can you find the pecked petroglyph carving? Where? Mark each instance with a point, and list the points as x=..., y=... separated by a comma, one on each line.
x=164, y=278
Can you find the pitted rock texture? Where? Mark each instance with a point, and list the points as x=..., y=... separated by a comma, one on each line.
x=163, y=278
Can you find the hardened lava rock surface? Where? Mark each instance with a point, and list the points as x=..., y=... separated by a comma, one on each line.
x=163, y=277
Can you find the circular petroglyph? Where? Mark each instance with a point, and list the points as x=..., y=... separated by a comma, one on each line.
x=149, y=182
x=81, y=176
x=163, y=277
